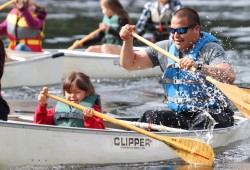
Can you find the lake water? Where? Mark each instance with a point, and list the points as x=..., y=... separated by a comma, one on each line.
x=69, y=20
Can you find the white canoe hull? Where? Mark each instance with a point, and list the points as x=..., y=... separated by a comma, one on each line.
x=30, y=144
x=42, y=69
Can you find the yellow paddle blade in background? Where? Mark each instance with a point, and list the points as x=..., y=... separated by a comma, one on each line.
x=190, y=150
x=239, y=97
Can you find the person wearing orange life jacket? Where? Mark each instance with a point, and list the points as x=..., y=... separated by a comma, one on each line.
x=24, y=26
x=4, y=107
x=156, y=18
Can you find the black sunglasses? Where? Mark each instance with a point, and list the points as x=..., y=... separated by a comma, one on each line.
x=182, y=30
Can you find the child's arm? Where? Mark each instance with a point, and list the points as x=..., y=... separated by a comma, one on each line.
x=3, y=28
x=35, y=23
x=42, y=115
x=91, y=121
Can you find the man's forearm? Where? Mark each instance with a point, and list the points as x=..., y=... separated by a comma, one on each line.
x=127, y=55
x=224, y=74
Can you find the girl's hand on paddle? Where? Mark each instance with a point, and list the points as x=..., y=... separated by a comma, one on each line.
x=186, y=63
x=103, y=27
x=126, y=32
x=21, y=3
x=88, y=112
x=42, y=98
x=77, y=44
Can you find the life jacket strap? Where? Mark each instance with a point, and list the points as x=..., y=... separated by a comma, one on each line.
x=27, y=41
x=174, y=65
x=177, y=81
x=184, y=100
x=69, y=115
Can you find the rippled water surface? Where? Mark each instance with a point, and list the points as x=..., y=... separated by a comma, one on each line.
x=69, y=20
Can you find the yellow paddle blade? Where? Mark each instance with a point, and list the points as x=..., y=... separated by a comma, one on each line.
x=245, y=89
x=239, y=97
x=193, y=167
x=191, y=150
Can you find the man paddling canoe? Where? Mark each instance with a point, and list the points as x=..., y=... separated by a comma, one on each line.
x=192, y=102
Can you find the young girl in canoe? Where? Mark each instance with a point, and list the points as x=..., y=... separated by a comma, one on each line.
x=77, y=88
x=24, y=26
x=114, y=18
x=4, y=107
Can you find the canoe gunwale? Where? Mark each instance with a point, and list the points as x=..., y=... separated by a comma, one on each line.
x=44, y=56
x=31, y=60
x=24, y=140
x=25, y=125
x=77, y=53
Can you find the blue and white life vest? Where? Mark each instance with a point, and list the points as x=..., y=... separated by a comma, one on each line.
x=185, y=90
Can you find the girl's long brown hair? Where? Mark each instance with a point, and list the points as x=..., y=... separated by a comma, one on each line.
x=116, y=7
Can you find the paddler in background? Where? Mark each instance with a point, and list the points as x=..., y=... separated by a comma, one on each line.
x=24, y=26
x=114, y=18
x=156, y=17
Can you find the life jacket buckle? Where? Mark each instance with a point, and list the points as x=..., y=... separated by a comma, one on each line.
x=177, y=81
x=180, y=100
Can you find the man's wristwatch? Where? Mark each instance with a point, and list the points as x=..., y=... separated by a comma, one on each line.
x=199, y=66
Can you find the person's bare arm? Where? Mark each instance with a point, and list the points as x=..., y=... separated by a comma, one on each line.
x=129, y=59
x=223, y=72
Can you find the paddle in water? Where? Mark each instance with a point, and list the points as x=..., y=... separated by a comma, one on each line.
x=190, y=150
x=238, y=96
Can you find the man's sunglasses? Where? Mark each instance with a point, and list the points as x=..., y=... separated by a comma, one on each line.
x=182, y=30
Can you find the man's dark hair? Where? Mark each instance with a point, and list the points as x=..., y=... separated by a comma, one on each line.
x=190, y=14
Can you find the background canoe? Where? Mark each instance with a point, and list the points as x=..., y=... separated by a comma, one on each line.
x=37, y=69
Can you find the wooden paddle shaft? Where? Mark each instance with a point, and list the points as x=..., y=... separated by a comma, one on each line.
x=201, y=153
x=157, y=48
x=85, y=39
x=5, y=5
x=106, y=117
x=151, y=126
x=126, y=125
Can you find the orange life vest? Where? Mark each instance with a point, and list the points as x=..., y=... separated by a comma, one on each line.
x=18, y=31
